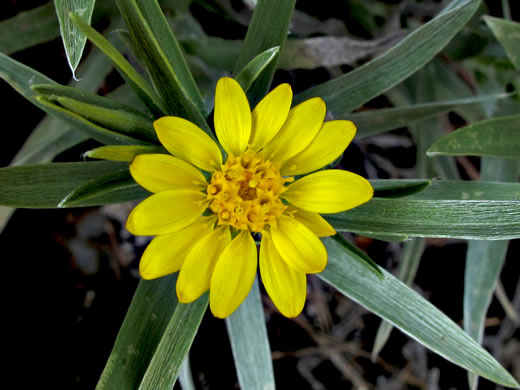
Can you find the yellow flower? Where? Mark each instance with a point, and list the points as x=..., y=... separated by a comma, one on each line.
x=205, y=227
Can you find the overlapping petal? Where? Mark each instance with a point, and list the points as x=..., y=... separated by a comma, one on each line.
x=187, y=141
x=162, y=172
x=332, y=139
x=298, y=246
x=233, y=275
x=166, y=212
x=195, y=276
x=302, y=124
x=166, y=253
x=232, y=117
x=269, y=115
x=312, y=221
x=286, y=286
x=329, y=191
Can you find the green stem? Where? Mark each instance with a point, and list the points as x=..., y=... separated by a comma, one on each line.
x=506, y=10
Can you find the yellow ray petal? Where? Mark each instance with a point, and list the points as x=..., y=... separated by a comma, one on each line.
x=166, y=253
x=269, y=115
x=330, y=191
x=332, y=139
x=313, y=221
x=302, y=124
x=162, y=172
x=232, y=116
x=166, y=212
x=195, y=276
x=298, y=246
x=286, y=286
x=187, y=141
x=233, y=276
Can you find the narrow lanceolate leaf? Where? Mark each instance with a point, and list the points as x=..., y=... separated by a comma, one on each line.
x=410, y=258
x=497, y=137
x=122, y=152
x=250, y=344
x=149, y=313
x=254, y=68
x=507, y=33
x=73, y=39
x=398, y=188
x=484, y=260
x=348, y=92
x=174, y=346
x=268, y=28
x=358, y=254
x=93, y=130
x=404, y=308
x=466, y=219
x=115, y=187
x=378, y=121
x=471, y=190
x=127, y=71
x=173, y=94
x=45, y=185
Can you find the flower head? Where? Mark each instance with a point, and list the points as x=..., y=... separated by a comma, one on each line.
x=205, y=223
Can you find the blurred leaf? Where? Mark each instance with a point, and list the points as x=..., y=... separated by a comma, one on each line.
x=129, y=74
x=407, y=310
x=466, y=219
x=175, y=343
x=185, y=376
x=410, y=258
x=28, y=28
x=484, y=260
x=496, y=137
x=378, y=121
x=148, y=315
x=94, y=131
x=112, y=184
x=250, y=344
x=173, y=94
x=45, y=185
x=254, y=68
x=73, y=39
x=349, y=91
x=267, y=29
x=122, y=152
x=398, y=188
x=359, y=255
x=508, y=34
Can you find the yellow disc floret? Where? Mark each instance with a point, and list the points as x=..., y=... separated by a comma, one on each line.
x=245, y=192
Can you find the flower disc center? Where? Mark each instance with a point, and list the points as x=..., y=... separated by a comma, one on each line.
x=245, y=192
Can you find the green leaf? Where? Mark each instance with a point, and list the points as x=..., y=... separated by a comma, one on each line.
x=407, y=310
x=28, y=28
x=358, y=254
x=507, y=33
x=496, y=137
x=114, y=187
x=470, y=190
x=148, y=315
x=484, y=260
x=466, y=219
x=174, y=95
x=410, y=258
x=250, y=344
x=122, y=152
x=96, y=132
x=374, y=122
x=73, y=39
x=171, y=49
x=253, y=69
x=131, y=76
x=185, y=377
x=174, y=345
x=349, y=91
x=45, y=185
x=268, y=29
x=398, y=188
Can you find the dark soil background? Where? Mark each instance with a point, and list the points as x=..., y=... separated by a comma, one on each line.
x=69, y=275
